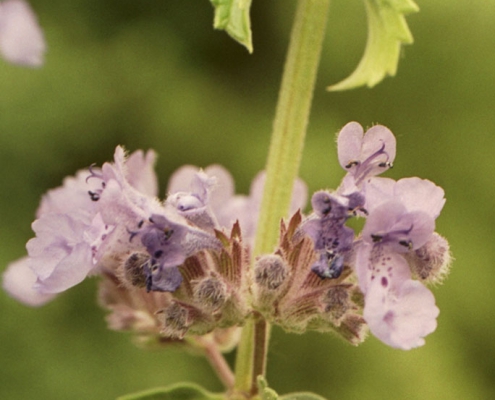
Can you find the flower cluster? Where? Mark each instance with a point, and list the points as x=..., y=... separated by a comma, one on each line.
x=183, y=266
x=397, y=242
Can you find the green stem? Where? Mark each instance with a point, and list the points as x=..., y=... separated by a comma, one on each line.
x=244, y=359
x=284, y=158
x=291, y=119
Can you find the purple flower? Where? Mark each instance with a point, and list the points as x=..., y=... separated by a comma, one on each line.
x=365, y=155
x=189, y=193
x=210, y=193
x=398, y=310
x=85, y=221
x=332, y=239
x=169, y=243
x=21, y=38
x=402, y=315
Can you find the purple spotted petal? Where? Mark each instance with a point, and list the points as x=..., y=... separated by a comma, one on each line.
x=401, y=318
x=380, y=263
x=21, y=38
x=332, y=239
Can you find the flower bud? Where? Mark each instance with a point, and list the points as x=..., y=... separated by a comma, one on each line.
x=176, y=320
x=179, y=318
x=134, y=273
x=210, y=293
x=337, y=301
x=270, y=272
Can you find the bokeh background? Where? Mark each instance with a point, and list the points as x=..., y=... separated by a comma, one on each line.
x=154, y=74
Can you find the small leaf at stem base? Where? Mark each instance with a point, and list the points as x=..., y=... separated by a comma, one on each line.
x=179, y=391
x=301, y=396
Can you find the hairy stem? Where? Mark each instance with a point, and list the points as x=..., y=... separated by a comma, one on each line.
x=244, y=359
x=291, y=119
x=261, y=333
x=284, y=158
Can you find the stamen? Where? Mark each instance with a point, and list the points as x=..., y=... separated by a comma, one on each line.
x=376, y=238
x=367, y=165
x=94, y=174
x=406, y=243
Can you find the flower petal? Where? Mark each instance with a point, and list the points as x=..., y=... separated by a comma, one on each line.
x=420, y=194
x=21, y=38
x=401, y=319
x=141, y=172
x=18, y=281
x=70, y=271
x=349, y=143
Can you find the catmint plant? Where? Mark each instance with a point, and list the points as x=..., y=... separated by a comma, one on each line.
x=212, y=269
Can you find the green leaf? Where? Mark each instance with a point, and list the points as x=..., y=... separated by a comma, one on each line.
x=264, y=391
x=269, y=394
x=387, y=31
x=233, y=17
x=179, y=391
x=301, y=396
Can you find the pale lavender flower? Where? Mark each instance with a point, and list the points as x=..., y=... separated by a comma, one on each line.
x=21, y=38
x=398, y=310
x=197, y=245
x=211, y=192
x=84, y=221
x=365, y=155
x=193, y=202
x=402, y=315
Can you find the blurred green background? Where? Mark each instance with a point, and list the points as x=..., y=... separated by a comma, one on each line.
x=154, y=74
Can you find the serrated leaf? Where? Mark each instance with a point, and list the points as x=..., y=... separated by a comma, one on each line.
x=387, y=31
x=233, y=17
x=301, y=396
x=179, y=391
